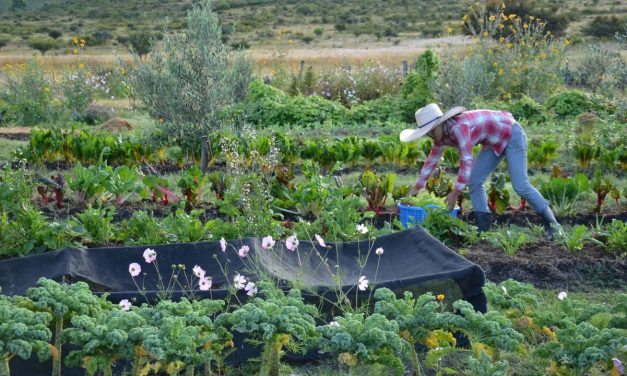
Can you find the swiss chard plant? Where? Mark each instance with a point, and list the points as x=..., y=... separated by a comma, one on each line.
x=563, y=192
x=498, y=195
x=601, y=187
x=192, y=184
x=376, y=189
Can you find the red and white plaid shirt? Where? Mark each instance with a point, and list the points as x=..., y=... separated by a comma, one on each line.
x=492, y=129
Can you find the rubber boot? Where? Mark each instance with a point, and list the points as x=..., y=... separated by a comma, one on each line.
x=484, y=221
x=551, y=224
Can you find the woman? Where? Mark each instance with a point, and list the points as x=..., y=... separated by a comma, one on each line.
x=501, y=137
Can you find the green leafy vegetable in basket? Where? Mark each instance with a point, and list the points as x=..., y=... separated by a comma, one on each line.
x=423, y=199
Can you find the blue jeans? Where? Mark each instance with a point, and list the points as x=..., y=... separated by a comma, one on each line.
x=516, y=155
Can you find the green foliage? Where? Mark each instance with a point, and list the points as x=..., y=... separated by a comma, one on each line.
x=358, y=339
x=484, y=366
x=511, y=297
x=22, y=332
x=424, y=198
x=141, y=43
x=104, y=339
x=575, y=238
x=510, y=239
x=447, y=229
x=15, y=187
x=616, y=237
x=30, y=96
x=540, y=154
x=602, y=26
x=417, y=86
x=564, y=192
x=43, y=45
x=376, y=189
x=141, y=229
x=192, y=78
x=96, y=225
x=581, y=346
x=571, y=103
x=498, y=195
x=88, y=182
x=182, y=227
x=78, y=94
x=192, y=184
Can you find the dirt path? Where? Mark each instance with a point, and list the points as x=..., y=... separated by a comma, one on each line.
x=15, y=133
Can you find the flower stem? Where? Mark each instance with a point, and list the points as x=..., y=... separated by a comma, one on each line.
x=4, y=366
x=56, y=362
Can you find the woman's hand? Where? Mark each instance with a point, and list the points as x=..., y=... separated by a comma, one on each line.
x=451, y=200
x=412, y=192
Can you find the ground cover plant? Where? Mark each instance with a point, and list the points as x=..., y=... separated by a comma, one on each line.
x=313, y=154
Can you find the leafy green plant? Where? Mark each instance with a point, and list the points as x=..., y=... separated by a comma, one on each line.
x=564, y=192
x=360, y=339
x=498, y=195
x=510, y=240
x=585, y=152
x=88, y=182
x=192, y=185
x=63, y=302
x=578, y=347
x=141, y=229
x=124, y=183
x=96, y=224
x=278, y=320
x=447, y=229
x=376, y=189
x=601, y=188
x=424, y=198
x=182, y=227
x=616, y=233
x=22, y=331
x=540, y=154
x=15, y=187
x=575, y=238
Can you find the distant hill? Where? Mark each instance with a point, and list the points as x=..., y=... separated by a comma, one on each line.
x=253, y=22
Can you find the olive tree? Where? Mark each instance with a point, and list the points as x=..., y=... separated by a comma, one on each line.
x=192, y=78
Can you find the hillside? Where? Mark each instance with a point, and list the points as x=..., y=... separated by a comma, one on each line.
x=258, y=22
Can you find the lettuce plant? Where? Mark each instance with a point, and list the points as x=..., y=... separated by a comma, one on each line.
x=22, y=331
x=278, y=320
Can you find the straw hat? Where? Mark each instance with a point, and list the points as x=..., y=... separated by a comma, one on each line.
x=428, y=118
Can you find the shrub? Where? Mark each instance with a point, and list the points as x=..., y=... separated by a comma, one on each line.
x=43, y=45
x=4, y=41
x=54, y=34
x=569, y=103
x=139, y=42
x=603, y=26
x=192, y=78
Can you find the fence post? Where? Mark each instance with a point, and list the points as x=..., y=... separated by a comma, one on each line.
x=302, y=68
x=405, y=67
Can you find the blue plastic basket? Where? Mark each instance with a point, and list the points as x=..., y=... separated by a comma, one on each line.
x=415, y=215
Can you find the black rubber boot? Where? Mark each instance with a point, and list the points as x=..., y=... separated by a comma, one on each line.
x=484, y=221
x=551, y=224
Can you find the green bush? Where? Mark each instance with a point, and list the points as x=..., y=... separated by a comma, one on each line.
x=607, y=27
x=569, y=103
x=192, y=78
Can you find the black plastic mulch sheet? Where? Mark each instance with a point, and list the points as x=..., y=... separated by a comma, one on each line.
x=412, y=260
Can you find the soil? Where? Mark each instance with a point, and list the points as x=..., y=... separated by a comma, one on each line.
x=15, y=133
x=550, y=265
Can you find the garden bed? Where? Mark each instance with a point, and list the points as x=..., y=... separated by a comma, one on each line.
x=547, y=265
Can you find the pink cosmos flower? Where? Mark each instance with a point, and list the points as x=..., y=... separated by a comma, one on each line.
x=267, y=242
x=239, y=281
x=362, y=228
x=198, y=272
x=134, y=269
x=251, y=289
x=291, y=243
x=204, y=284
x=562, y=295
x=362, y=284
x=150, y=255
x=379, y=251
x=243, y=252
x=125, y=305
x=223, y=244
x=320, y=240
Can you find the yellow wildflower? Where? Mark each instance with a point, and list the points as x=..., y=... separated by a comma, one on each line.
x=525, y=67
x=22, y=66
x=431, y=341
x=504, y=17
x=46, y=89
x=566, y=42
x=532, y=18
x=290, y=41
x=81, y=66
x=510, y=45
x=515, y=71
x=465, y=18
x=502, y=39
x=75, y=40
x=8, y=66
x=469, y=49
x=501, y=71
x=512, y=16
x=82, y=41
x=492, y=17
x=495, y=64
x=525, y=26
x=440, y=297
x=449, y=30
x=485, y=34
x=122, y=71
x=501, y=26
x=542, y=56
x=75, y=51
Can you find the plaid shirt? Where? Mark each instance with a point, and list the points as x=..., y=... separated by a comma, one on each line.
x=492, y=129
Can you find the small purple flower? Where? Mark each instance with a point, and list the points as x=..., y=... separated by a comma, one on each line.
x=619, y=366
x=291, y=243
x=223, y=244
x=267, y=242
x=251, y=289
x=320, y=240
x=198, y=272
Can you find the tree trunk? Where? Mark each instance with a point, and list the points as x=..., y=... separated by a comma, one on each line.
x=4, y=366
x=415, y=362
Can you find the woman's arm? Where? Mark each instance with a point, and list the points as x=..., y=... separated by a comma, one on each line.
x=430, y=164
x=461, y=134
